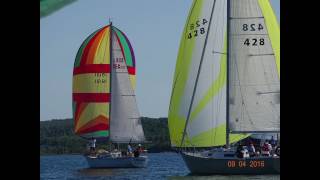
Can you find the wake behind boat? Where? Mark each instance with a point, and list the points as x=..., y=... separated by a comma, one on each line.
x=104, y=104
x=226, y=85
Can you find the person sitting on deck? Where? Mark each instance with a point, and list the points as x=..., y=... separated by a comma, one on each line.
x=273, y=142
x=245, y=151
x=92, y=145
x=252, y=150
x=129, y=150
x=265, y=149
x=140, y=148
x=238, y=152
x=136, y=153
x=277, y=151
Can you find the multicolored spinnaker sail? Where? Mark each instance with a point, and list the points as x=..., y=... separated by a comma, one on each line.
x=92, y=80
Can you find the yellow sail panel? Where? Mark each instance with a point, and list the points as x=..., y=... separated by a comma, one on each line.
x=91, y=112
x=175, y=120
x=91, y=83
x=273, y=29
x=133, y=80
x=205, y=139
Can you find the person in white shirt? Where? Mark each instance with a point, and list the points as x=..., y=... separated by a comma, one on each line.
x=270, y=148
x=252, y=150
x=93, y=145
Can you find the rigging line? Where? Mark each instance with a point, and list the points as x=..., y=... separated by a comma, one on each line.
x=247, y=17
x=248, y=34
x=195, y=87
x=266, y=54
x=259, y=85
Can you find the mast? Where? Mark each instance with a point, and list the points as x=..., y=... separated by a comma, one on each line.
x=111, y=64
x=227, y=87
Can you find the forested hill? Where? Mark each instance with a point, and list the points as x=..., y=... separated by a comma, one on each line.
x=57, y=136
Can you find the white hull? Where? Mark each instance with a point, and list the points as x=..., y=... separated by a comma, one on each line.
x=117, y=162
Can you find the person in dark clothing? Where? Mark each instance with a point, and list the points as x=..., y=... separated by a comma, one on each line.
x=273, y=142
x=238, y=152
x=138, y=150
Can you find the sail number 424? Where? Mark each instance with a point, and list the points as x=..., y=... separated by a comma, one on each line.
x=243, y=164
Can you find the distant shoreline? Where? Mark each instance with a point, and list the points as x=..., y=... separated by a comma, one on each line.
x=57, y=137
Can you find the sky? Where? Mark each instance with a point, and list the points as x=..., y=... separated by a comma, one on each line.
x=154, y=28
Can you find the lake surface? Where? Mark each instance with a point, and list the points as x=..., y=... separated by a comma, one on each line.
x=161, y=166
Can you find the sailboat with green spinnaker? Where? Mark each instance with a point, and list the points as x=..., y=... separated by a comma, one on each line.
x=226, y=85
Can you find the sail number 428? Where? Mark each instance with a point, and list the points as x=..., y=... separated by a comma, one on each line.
x=253, y=41
x=197, y=28
x=252, y=27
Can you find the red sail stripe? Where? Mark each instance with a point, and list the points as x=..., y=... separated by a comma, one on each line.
x=91, y=97
x=92, y=68
x=131, y=70
x=98, y=127
x=79, y=109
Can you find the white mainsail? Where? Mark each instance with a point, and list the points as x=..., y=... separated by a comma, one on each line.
x=254, y=80
x=125, y=122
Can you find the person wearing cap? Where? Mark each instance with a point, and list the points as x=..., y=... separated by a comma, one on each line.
x=140, y=149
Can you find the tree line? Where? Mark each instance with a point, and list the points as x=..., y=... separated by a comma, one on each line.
x=57, y=136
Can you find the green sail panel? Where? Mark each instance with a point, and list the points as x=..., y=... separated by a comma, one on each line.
x=199, y=85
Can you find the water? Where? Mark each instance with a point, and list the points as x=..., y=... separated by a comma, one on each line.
x=161, y=166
